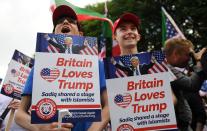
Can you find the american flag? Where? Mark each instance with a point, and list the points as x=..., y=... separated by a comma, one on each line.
x=91, y=48
x=170, y=28
x=160, y=64
x=14, y=73
x=124, y=61
x=102, y=47
x=50, y=74
x=52, y=49
x=58, y=38
x=123, y=100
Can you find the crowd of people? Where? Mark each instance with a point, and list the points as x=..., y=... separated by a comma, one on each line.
x=188, y=103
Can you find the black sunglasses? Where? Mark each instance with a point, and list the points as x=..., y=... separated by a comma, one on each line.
x=70, y=20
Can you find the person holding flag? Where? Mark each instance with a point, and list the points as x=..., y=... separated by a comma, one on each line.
x=65, y=22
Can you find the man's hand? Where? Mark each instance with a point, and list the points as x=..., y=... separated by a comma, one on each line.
x=54, y=127
x=153, y=59
x=14, y=104
x=85, y=42
x=199, y=54
x=113, y=61
x=64, y=126
x=46, y=36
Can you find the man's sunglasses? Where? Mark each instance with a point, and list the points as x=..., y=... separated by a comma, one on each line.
x=70, y=20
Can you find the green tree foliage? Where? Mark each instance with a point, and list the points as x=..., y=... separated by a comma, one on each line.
x=190, y=16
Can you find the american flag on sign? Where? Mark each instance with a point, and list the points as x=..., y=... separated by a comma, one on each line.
x=91, y=48
x=14, y=72
x=160, y=64
x=58, y=39
x=123, y=100
x=124, y=61
x=52, y=49
x=49, y=74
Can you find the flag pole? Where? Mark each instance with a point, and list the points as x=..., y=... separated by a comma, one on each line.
x=173, y=23
x=105, y=9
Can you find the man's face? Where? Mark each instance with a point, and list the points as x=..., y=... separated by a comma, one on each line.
x=127, y=35
x=134, y=62
x=67, y=26
x=68, y=41
x=181, y=59
x=184, y=58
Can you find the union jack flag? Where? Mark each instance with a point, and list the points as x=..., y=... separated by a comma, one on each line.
x=123, y=100
x=50, y=74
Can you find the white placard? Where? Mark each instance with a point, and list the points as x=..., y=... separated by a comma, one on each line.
x=141, y=103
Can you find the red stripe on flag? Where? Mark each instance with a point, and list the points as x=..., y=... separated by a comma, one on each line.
x=102, y=53
x=52, y=49
x=119, y=73
x=89, y=50
x=157, y=67
x=95, y=50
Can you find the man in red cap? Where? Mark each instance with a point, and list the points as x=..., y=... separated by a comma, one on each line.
x=126, y=33
x=65, y=22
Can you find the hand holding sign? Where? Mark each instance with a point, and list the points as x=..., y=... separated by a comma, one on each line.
x=61, y=114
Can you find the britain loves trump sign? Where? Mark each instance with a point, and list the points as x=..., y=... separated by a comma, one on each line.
x=64, y=81
x=16, y=76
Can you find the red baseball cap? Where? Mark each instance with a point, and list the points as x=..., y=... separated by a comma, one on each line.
x=127, y=17
x=63, y=11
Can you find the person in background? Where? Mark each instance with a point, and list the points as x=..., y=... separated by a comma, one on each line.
x=178, y=52
x=6, y=104
x=65, y=22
